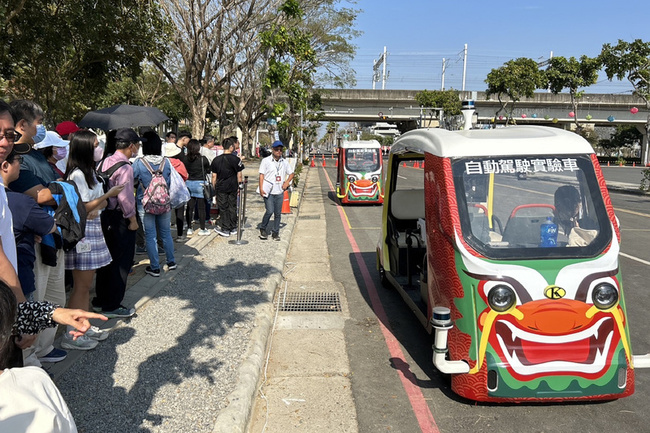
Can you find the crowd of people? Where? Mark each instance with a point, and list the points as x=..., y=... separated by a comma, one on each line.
x=75, y=213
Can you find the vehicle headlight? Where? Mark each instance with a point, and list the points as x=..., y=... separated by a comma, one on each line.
x=374, y=179
x=352, y=178
x=501, y=298
x=604, y=296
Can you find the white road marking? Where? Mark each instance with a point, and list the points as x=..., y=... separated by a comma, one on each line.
x=645, y=262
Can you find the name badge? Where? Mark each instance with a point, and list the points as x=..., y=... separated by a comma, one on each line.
x=83, y=246
x=278, y=178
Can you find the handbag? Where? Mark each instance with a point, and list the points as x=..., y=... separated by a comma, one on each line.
x=208, y=189
x=178, y=190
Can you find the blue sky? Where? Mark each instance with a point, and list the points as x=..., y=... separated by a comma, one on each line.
x=418, y=34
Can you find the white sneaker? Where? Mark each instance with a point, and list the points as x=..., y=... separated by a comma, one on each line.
x=190, y=232
x=81, y=343
x=204, y=232
x=96, y=334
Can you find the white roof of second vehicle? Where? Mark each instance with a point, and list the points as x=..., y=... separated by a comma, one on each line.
x=513, y=140
x=373, y=144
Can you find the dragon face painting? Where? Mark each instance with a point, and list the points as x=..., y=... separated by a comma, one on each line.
x=550, y=334
x=364, y=189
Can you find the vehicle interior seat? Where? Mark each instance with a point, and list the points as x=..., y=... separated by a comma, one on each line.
x=406, y=244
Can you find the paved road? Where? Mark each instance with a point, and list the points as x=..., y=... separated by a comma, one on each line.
x=383, y=401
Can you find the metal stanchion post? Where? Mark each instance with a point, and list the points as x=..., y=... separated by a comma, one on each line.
x=240, y=218
x=243, y=221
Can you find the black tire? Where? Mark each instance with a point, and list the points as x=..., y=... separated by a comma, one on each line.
x=383, y=279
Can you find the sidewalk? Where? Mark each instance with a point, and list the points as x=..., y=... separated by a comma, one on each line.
x=193, y=352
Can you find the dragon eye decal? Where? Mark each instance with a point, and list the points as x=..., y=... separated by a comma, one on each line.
x=501, y=298
x=604, y=296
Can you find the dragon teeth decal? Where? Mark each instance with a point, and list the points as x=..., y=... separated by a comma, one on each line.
x=596, y=360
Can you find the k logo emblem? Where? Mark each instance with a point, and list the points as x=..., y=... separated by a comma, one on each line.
x=554, y=292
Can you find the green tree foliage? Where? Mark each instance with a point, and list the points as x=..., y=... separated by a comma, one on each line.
x=63, y=54
x=626, y=136
x=630, y=60
x=514, y=80
x=447, y=100
x=572, y=74
x=150, y=88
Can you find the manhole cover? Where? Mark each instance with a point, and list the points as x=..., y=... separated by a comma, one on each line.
x=309, y=301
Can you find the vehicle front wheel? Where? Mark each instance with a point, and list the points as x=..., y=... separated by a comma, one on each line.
x=383, y=279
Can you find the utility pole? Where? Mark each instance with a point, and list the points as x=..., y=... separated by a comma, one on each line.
x=375, y=70
x=464, y=66
x=383, y=80
x=444, y=67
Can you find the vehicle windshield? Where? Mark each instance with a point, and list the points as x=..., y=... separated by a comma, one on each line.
x=362, y=160
x=526, y=207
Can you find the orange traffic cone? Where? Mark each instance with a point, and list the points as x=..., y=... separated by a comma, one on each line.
x=416, y=165
x=336, y=163
x=633, y=164
x=323, y=162
x=607, y=163
x=286, y=209
x=313, y=162
x=404, y=165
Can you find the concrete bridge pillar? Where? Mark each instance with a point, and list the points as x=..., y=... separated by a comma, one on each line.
x=644, y=144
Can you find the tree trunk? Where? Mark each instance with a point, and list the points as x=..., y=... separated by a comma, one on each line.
x=198, y=112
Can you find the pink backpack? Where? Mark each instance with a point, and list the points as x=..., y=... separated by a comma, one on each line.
x=156, y=199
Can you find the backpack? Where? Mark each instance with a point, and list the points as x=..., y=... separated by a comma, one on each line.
x=104, y=176
x=69, y=214
x=156, y=199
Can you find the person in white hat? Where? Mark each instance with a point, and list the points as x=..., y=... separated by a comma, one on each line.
x=54, y=149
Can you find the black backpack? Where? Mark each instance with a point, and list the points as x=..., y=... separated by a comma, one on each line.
x=105, y=176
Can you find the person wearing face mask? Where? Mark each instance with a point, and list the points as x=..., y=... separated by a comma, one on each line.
x=49, y=267
x=54, y=149
x=91, y=252
x=119, y=225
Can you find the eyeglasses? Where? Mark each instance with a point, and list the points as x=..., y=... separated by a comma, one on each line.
x=278, y=148
x=10, y=135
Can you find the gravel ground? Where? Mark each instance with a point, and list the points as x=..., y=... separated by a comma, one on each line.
x=171, y=368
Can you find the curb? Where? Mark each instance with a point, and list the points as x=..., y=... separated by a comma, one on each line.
x=235, y=417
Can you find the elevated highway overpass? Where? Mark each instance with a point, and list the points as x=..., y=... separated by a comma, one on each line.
x=401, y=108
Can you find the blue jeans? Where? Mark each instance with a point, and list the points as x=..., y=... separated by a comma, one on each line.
x=273, y=204
x=154, y=224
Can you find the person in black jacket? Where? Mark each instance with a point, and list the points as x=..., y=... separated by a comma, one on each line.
x=226, y=179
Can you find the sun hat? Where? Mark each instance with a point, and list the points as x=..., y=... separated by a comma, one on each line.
x=51, y=139
x=171, y=150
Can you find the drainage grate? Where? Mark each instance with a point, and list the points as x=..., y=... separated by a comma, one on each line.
x=309, y=301
x=310, y=217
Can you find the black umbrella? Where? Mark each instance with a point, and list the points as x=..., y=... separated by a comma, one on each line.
x=123, y=116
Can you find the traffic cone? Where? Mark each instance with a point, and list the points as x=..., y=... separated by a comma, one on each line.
x=404, y=165
x=286, y=209
x=416, y=165
x=633, y=164
x=313, y=162
x=336, y=163
x=607, y=163
x=323, y=162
